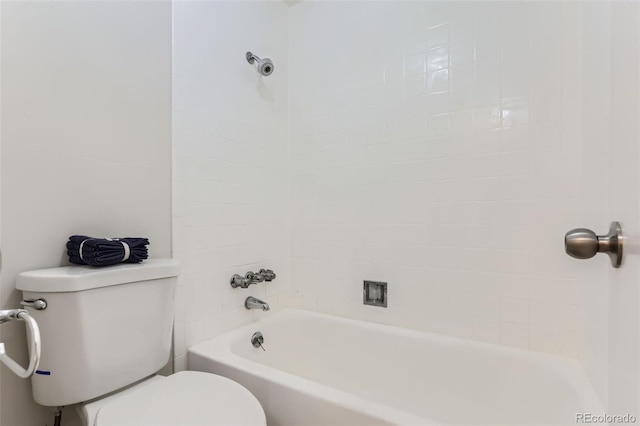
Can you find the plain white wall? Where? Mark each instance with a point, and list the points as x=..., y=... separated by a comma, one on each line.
x=86, y=133
x=230, y=157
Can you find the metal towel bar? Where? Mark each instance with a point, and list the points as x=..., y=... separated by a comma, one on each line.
x=33, y=337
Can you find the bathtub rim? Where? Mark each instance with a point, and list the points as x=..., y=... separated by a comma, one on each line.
x=569, y=369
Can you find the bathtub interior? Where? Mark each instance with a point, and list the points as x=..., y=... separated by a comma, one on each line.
x=450, y=380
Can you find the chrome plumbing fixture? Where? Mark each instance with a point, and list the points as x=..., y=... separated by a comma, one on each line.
x=375, y=293
x=33, y=338
x=255, y=303
x=244, y=282
x=264, y=66
x=37, y=304
x=257, y=340
x=252, y=278
x=583, y=243
x=267, y=274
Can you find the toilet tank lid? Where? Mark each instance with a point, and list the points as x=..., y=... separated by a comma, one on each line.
x=78, y=278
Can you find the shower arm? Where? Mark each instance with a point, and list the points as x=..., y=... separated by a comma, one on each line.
x=251, y=58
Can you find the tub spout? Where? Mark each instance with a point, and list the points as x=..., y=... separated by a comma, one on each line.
x=255, y=303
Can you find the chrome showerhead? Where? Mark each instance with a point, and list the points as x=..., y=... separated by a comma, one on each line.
x=264, y=66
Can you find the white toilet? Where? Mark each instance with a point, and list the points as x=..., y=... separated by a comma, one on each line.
x=105, y=333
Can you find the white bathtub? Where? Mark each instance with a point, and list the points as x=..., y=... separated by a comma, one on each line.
x=323, y=370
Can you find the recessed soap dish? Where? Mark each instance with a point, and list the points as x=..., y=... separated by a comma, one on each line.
x=374, y=293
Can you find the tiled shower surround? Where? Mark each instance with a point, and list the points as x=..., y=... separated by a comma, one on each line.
x=230, y=154
x=442, y=147
x=430, y=149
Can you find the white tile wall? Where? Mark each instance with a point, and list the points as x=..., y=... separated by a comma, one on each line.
x=432, y=148
x=230, y=154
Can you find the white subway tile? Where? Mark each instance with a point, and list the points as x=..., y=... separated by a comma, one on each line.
x=514, y=334
x=415, y=64
x=438, y=59
x=515, y=113
x=487, y=117
x=545, y=339
x=514, y=310
x=438, y=36
x=486, y=330
x=438, y=81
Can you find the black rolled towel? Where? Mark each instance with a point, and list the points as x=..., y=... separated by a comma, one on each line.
x=83, y=250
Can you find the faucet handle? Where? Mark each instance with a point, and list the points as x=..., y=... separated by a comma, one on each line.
x=267, y=274
x=253, y=277
x=239, y=281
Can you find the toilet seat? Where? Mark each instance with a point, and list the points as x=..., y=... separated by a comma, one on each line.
x=185, y=398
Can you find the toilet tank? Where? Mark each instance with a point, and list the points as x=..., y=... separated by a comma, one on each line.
x=103, y=328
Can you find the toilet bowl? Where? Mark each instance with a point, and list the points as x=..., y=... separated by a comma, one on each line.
x=105, y=333
x=187, y=398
